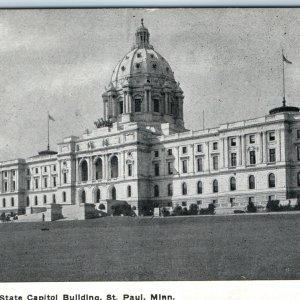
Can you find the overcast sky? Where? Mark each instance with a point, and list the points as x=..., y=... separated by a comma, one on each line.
x=228, y=63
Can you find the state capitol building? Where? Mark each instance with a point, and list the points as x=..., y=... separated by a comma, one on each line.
x=140, y=153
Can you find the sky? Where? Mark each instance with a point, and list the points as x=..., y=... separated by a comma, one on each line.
x=228, y=63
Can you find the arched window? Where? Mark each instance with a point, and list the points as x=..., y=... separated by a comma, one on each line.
x=138, y=105
x=184, y=188
x=113, y=193
x=83, y=196
x=121, y=109
x=271, y=180
x=45, y=199
x=298, y=179
x=156, y=105
x=3, y=202
x=64, y=196
x=170, y=189
x=156, y=191
x=98, y=195
x=27, y=201
x=84, y=171
x=251, y=182
x=199, y=187
x=129, y=191
x=101, y=206
x=98, y=168
x=215, y=186
x=114, y=168
x=232, y=184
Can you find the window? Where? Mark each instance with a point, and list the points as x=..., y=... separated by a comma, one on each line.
x=169, y=152
x=184, y=166
x=5, y=186
x=170, y=168
x=35, y=200
x=251, y=182
x=12, y=202
x=272, y=155
x=138, y=105
x=45, y=182
x=13, y=185
x=199, y=164
x=215, y=201
x=98, y=195
x=199, y=148
x=45, y=199
x=5, y=174
x=129, y=191
x=271, y=180
x=298, y=134
x=215, y=186
x=215, y=145
x=298, y=153
x=298, y=179
x=272, y=136
x=54, y=168
x=233, y=159
x=114, y=167
x=232, y=184
x=64, y=197
x=252, y=139
x=54, y=198
x=84, y=172
x=199, y=187
x=199, y=202
x=156, y=169
x=231, y=201
x=36, y=170
x=184, y=188
x=251, y=200
x=3, y=202
x=65, y=178
x=233, y=142
x=170, y=189
x=27, y=201
x=36, y=183
x=156, y=191
x=184, y=150
x=28, y=184
x=129, y=169
x=183, y=203
x=98, y=168
x=156, y=153
x=45, y=169
x=215, y=163
x=139, y=54
x=156, y=105
x=13, y=173
x=28, y=171
x=252, y=158
x=120, y=107
x=54, y=181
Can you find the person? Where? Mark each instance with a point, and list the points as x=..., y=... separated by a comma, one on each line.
x=43, y=217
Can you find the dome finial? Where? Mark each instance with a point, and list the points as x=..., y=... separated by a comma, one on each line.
x=142, y=22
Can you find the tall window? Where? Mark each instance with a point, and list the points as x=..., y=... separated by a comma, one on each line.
x=54, y=181
x=98, y=168
x=156, y=191
x=298, y=179
x=12, y=201
x=5, y=186
x=199, y=148
x=215, y=162
x=184, y=188
x=170, y=189
x=298, y=153
x=83, y=196
x=35, y=200
x=65, y=177
x=233, y=159
x=252, y=139
x=138, y=105
x=156, y=169
x=232, y=184
x=215, y=186
x=3, y=202
x=129, y=168
x=27, y=201
x=199, y=164
x=184, y=150
x=98, y=195
x=45, y=182
x=184, y=166
x=129, y=191
x=84, y=171
x=215, y=145
x=251, y=182
x=170, y=152
x=233, y=142
x=28, y=184
x=45, y=199
x=36, y=183
x=199, y=187
x=170, y=168
x=271, y=180
x=252, y=158
x=272, y=155
x=271, y=136
x=114, y=167
x=64, y=196
x=156, y=105
x=13, y=185
x=120, y=107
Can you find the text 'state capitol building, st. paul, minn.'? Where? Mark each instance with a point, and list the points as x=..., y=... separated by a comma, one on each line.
x=141, y=154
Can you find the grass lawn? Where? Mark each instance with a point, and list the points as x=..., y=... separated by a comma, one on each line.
x=180, y=248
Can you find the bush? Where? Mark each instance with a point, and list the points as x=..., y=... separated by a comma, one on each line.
x=251, y=207
x=193, y=209
x=101, y=206
x=122, y=209
x=147, y=208
x=165, y=212
x=238, y=211
x=177, y=210
x=208, y=211
x=273, y=205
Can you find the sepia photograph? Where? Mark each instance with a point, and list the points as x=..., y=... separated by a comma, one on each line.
x=149, y=144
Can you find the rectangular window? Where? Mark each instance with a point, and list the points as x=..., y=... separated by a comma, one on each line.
x=298, y=153
x=298, y=134
x=272, y=155
x=45, y=169
x=215, y=201
x=170, y=168
x=233, y=159
x=199, y=164
x=199, y=202
x=5, y=186
x=28, y=184
x=183, y=203
x=156, y=153
x=28, y=171
x=54, y=168
x=199, y=148
x=215, y=146
x=156, y=169
x=233, y=142
x=5, y=174
x=272, y=136
x=54, y=181
x=65, y=177
x=215, y=162
x=36, y=183
x=13, y=173
x=184, y=150
x=252, y=139
x=169, y=152
x=12, y=202
x=252, y=158
x=184, y=166
x=129, y=169
x=231, y=201
x=120, y=107
x=13, y=185
x=45, y=182
x=36, y=170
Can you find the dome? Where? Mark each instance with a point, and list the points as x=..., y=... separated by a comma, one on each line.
x=141, y=61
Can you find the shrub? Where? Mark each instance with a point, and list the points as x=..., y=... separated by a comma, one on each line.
x=165, y=212
x=193, y=209
x=177, y=210
x=273, y=205
x=122, y=209
x=238, y=211
x=208, y=211
x=251, y=207
x=147, y=208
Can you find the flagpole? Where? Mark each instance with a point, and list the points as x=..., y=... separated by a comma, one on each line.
x=48, y=130
x=283, y=80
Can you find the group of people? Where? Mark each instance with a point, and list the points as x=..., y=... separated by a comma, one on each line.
x=8, y=217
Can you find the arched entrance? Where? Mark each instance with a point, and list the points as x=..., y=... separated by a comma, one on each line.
x=82, y=196
x=114, y=168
